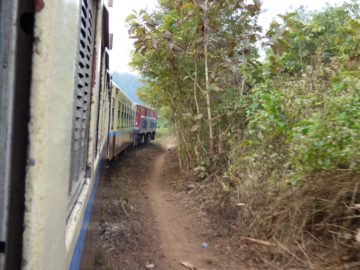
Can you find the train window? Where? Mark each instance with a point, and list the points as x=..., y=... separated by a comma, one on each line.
x=119, y=115
x=82, y=94
x=126, y=116
x=125, y=119
x=122, y=115
x=128, y=119
x=112, y=113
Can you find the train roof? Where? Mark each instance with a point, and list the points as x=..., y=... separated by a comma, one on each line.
x=123, y=92
x=133, y=103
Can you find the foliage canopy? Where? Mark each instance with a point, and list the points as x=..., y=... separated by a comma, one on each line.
x=288, y=122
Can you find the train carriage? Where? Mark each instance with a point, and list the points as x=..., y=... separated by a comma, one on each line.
x=145, y=124
x=61, y=117
x=122, y=122
x=55, y=119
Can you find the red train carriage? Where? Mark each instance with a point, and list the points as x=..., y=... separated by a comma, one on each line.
x=145, y=124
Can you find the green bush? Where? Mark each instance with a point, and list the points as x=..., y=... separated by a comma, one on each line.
x=330, y=140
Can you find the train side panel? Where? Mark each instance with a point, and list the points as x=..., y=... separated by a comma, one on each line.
x=61, y=172
x=97, y=140
x=50, y=136
x=78, y=118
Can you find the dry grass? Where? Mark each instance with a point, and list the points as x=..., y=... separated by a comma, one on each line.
x=312, y=225
x=165, y=138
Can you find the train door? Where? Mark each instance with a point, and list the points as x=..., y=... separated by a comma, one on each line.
x=16, y=38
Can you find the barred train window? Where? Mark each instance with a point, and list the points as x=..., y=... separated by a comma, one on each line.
x=82, y=93
x=119, y=116
x=122, y=116
x=127, y=116
x=112, y=113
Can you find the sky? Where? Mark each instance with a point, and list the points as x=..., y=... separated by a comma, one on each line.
x=122, y=45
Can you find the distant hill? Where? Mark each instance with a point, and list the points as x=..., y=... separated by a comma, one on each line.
x=129, y=83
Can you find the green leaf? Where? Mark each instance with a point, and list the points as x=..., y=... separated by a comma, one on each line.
x=130, y=18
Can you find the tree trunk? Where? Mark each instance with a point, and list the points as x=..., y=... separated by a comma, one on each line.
x=198, y=141
x=179, y=154
x=207, y=83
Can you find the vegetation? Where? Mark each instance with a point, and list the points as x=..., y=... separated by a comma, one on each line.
x=280, y=135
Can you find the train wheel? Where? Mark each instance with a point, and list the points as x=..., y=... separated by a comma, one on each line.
x=146, y=138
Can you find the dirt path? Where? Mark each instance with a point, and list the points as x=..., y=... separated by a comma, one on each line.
x=178, y=242
x=139, y=219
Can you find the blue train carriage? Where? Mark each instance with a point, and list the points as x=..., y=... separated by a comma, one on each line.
x=55, y=111
x=122, y=119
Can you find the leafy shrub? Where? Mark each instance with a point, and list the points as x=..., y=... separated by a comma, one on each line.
x=330, y=140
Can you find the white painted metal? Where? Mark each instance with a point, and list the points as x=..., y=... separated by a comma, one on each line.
x=49, y=239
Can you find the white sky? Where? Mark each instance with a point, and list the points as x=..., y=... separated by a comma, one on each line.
x=122, y=46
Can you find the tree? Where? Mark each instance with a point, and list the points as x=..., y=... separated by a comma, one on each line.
x=206, y=46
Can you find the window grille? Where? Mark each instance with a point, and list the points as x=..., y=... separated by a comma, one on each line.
x=81, y=120
x=122, y=116
x=119, y=116
x=112, y=113
x=128, y=120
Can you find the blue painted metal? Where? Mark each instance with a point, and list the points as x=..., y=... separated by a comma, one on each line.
x=119, y=132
